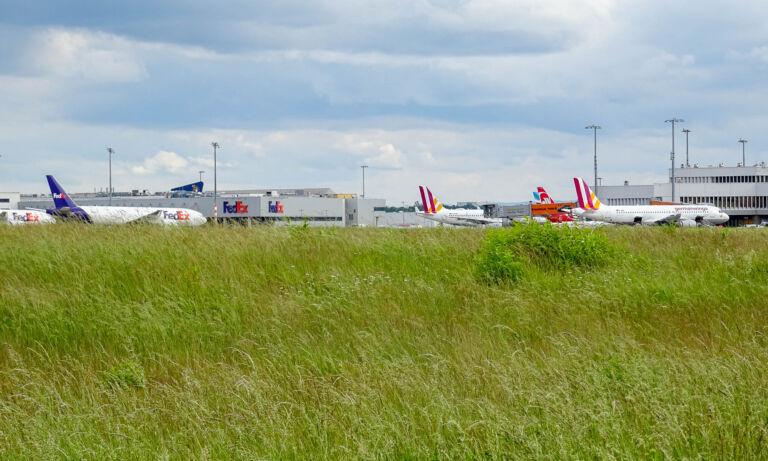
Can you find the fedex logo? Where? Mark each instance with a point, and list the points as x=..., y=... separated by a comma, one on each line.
x=59, y=195
x=176, y=216
x=276, y=208
x=238, y=207
x=26, y=217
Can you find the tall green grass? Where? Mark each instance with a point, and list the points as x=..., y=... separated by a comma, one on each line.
x=507, y=252
x=145, y=342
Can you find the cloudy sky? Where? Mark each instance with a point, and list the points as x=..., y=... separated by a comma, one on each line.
x=480, y=99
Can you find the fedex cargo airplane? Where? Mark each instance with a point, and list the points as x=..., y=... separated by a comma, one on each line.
x=20, y=217
x=685, y=215
x=542, y=197
x=67, y=208
x=459, y=217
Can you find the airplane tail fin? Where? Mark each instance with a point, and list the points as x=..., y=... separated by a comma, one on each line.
x=60, y=197
x=429, y=202
x=587, y=199
x=542, y=196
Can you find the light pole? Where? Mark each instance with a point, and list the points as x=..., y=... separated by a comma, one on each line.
x=673, y=120
x=594, y=128
x=201, y=175
x=686, y=131
x=363, y=168
x=215, y=190
x=111, y=151
x=743, y=156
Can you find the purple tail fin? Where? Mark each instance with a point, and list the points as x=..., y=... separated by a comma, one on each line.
x=60, y=197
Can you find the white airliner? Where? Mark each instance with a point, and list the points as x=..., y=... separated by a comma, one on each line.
x=458, y=217
x=20, y=217
x=66, y=208
x=684, y=215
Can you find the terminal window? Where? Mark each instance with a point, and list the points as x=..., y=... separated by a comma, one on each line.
x=5, y=200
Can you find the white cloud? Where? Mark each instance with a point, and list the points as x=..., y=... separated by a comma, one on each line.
x=86, y=55
x=759, y=53
x=388, y=157
x=254, y=148
x=163, y=161
x=304, y=101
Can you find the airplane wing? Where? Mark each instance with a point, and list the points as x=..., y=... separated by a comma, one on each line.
x=153, y=217
x=63, y=212
x=673, y=218
x=478, y=220
x=687, y=222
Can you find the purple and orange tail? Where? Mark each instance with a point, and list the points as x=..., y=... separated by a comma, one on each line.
x=587, y=199
x=429, y=202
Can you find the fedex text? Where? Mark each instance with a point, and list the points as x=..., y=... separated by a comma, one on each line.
x=237, y=207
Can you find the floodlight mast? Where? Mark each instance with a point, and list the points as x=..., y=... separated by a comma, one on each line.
x=594, y=128
x=111, y=152
x=673, y=120
x=743, y=155
x=216, y=146
x=363, y=168
x=686, y=131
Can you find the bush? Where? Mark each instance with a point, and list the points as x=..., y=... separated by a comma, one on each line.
x=125, y=375
x=507, y=252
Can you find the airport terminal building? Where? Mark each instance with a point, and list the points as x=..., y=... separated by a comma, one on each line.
x=740, y=191
x=9, y=200
x=316, y=207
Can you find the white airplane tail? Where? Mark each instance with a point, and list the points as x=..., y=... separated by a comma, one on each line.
x=542, y=197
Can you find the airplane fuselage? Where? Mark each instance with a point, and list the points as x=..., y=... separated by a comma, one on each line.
x=461, y=217
x=20, y=217
x=652, y=214
x=125, y=214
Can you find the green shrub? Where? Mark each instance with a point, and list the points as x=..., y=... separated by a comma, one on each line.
x=125, y=375
x=507, y=252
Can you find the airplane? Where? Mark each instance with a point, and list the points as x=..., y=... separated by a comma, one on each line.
x=684, y=215
x=66, y=208
x=434, y=210
x=543, y=198
x=21, y=217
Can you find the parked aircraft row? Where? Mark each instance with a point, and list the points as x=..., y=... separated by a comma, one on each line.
x=590, y=210
x=66, y=209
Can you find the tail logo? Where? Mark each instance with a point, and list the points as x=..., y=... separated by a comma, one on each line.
x=542, y=196
x=62, y=196
x=587, y=199
x=430, y=203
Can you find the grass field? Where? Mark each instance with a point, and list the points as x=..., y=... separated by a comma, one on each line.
x=145, y=342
